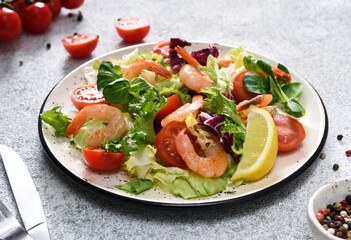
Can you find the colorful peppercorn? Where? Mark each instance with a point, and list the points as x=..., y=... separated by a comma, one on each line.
x=336, y=218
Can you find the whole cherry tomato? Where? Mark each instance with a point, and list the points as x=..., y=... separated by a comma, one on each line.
x=10, y=25
x=80, y=46
x=71, y=4
x=36, y=17
x=133, y=30
x=54, y=5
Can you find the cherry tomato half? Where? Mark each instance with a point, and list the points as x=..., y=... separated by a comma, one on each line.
x=36, y=17
x=173, y=104
x=133, y=30
x=10, y=25
x=80, y=46
x=239, y=91
x=100, y=160
x=290, y=132
x=72, y=4
x=165, y=144
x=86, y=95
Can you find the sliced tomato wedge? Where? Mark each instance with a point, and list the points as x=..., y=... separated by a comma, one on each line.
x=86, y=95
x=290, y=132
x=101, y=160
x=173, y=104
x=80, y=46
x=165, y=144
x=133, y=30
x=239, y=91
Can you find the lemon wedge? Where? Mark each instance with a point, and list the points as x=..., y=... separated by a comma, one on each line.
x=260, y=146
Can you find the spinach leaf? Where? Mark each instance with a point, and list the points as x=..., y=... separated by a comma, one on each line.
x=252, y=66
x=107, y=73
x=293, y=90
x=291, y=106
x=282, y=67
x=57, y=120
x=136, y=185
x=294, y=108
x=266, y=66
x=256, y=84
x=118, y=91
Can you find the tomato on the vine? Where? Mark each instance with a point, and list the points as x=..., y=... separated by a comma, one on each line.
x=54, y=5
x=72, y=4
x=36, y=17
x=10, y=25
x=133, y=30
x=101, y=160
x=84, y=95
x=80, y=46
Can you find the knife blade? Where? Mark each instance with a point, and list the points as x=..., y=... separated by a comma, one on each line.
x=25, y=193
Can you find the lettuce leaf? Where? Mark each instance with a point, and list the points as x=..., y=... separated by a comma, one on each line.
x=57, y=120
x=174, y=180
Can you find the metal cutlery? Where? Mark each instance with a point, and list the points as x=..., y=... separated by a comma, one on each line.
x=25, y=193
x=10, y=227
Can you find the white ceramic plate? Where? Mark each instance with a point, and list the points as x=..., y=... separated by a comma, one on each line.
x=286, y=168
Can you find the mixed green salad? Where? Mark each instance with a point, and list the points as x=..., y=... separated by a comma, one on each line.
x=174, y=120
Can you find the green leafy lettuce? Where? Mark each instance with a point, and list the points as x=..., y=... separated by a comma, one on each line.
x=136, y=185
x=174, y=180
x=57, y=120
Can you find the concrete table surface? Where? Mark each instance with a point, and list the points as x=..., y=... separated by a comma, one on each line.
x=311, y=37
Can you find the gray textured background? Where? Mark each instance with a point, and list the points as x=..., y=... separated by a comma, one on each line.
x=311, y=37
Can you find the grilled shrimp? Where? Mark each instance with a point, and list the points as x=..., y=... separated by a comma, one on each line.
x=213, y=164
x=115, y=128
x=259, y=101
x=189, y=74
x=134, y=69
x=181, y=113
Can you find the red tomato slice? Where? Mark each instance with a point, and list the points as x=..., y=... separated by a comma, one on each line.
x=10, y=25
x=239, y=91
x=100, y=160
x=165, y=144
x=86, y=95
x=133, y=30
x=162, y=48
x=290, y=132
x=173, y=104
x=80, y=46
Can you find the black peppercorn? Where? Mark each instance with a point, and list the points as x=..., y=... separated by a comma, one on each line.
x=348, y=199
x=339, y=137
x=335, y=167
x=80, y=16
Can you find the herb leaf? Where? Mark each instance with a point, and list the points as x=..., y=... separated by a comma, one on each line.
x=107, y=73
x=57, y=120
x=256, y=84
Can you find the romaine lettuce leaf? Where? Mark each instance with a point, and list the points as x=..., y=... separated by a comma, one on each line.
x=174, y=180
